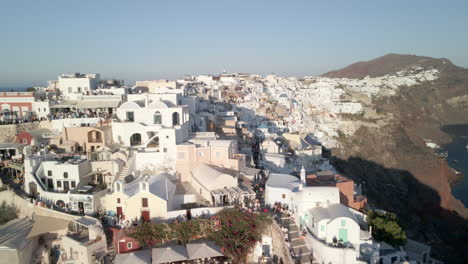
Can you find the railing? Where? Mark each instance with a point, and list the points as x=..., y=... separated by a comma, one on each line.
x=95, y=140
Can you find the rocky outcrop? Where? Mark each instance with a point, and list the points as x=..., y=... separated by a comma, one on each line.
x=399, y=172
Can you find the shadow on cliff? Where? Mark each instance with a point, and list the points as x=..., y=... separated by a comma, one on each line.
x=416, y=204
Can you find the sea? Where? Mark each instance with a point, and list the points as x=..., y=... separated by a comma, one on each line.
x=16, y=89
x=458, y=158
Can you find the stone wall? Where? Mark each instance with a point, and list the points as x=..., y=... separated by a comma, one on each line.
x=9, y=132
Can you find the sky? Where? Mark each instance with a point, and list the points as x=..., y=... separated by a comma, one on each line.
x=144, y=40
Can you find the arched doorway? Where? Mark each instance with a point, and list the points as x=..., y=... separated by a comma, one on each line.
x=94, y=136
x=175, y=119
x=135, y=139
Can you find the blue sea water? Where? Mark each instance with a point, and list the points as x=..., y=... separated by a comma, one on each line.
x=458, y=158
x=6, y=89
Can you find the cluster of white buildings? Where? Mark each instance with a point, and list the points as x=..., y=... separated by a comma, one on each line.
x=165, y=149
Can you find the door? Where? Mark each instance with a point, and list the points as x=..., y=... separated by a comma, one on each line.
x=189, y=214
x=122, y=247
x=343, y=234
x=81, y=207
x=50, y=183
x=119, y=211
x=145, y=215
x=66, y=185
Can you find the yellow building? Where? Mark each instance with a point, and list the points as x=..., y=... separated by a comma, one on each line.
x=147, y=197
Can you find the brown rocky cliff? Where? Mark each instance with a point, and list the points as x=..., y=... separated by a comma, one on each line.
x=399, y=173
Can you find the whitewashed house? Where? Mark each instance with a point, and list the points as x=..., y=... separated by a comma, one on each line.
x=146, y=197
x=153, y=128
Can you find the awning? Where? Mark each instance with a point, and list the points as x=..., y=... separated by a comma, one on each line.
x=66, y=104
x=44, y=224
x=171, y=253
x=98, y=104
x=135, y=257
x=202, y=250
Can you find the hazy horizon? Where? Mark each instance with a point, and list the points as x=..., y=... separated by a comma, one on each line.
x=150, y=40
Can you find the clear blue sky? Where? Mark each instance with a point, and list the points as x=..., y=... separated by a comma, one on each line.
x=135, y=40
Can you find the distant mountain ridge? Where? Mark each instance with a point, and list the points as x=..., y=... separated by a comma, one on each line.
x=388, y=64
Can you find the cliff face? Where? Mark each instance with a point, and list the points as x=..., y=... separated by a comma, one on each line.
x=399, y=172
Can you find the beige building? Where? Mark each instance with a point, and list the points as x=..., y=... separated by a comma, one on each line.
x=83, y=138
x=147, y=197
x=208, y=180
x=158, y=86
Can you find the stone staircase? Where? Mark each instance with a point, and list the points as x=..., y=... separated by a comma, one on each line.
x=298, y=248
x=128, y=165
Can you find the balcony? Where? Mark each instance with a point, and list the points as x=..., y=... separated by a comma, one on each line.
x=95, y=140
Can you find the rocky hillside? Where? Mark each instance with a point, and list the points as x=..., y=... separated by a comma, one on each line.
x=399, y=172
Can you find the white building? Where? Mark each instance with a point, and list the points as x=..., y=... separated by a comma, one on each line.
x=154, y=127
x=335, y=234
x=68, y=184
x=76, y=84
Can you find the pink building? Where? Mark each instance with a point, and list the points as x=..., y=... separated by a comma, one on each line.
x=196, y=151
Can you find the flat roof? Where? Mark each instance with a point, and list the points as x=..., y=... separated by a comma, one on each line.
x=11, y=145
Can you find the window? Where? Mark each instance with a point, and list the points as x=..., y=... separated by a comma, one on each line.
x=200, y=153
x=144, y=202
x=44, y=109
x=79, y=89
x=165, y=149
x=65, y=175
x=129, y=245
x=283, y=196
x=343, y=222
x=157, y=118
x=73, y=184
x=24, y=141
x=167, y=137
x=49, y=173
x=181, y=155
x=118, y=200
x=59, y=184
x=130, y=116
x=218, y=155
x=70, y=89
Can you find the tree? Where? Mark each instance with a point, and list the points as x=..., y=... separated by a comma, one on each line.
x=7, y=213
x=234, y=230
x=239, y=232
x=30, y=89
x=385, y=227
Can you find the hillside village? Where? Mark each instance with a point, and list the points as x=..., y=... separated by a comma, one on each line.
x=89, y=162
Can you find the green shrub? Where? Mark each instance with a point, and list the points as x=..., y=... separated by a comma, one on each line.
x=385, y=228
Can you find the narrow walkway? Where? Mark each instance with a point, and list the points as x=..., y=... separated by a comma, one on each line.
x=298, y=247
